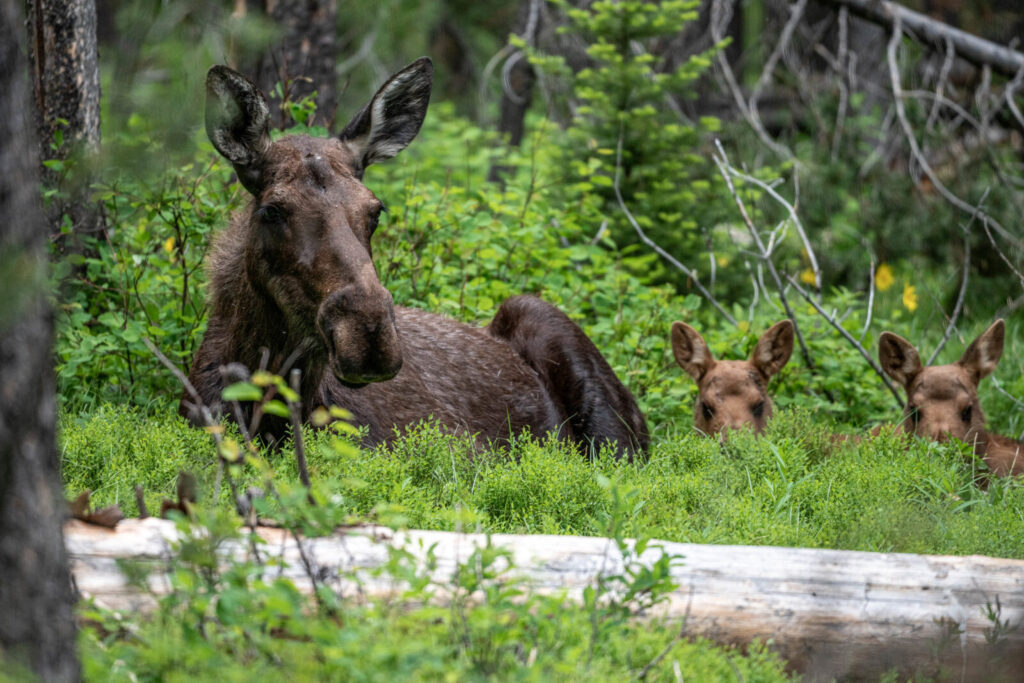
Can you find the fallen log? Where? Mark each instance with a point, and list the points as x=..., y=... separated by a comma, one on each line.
x=829, y=613
x=979, y=51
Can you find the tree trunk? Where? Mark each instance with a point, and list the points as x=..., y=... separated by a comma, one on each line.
x=36, y=622
x=305, y=57
x=66, y=92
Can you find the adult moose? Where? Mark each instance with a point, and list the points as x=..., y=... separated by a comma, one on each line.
x=942, y=400
x=293, y=274
x=732, y=393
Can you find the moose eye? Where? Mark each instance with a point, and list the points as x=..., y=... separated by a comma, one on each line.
x=707, y=410
x=758, y=410
x=965, y=414
x=915, y=413
x=270, y=214
x=375, y=217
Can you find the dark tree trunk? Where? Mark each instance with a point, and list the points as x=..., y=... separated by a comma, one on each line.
x=36, y=623
x=305, y=57
x=517, y=80
x=66, y=88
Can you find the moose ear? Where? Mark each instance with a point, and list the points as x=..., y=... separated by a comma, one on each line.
x=982, y=356
x=238, y=123
x=392, y=118
x=774, y=348
x=899, y=358
x=691, y=351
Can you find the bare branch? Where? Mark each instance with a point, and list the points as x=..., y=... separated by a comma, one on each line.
x=958, y=307
x=719, y=17
x=972, y=48
x=723, y=164
x=692, y=275
x=849, y=337
x=915, y=149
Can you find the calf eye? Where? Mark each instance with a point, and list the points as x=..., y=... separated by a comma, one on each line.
x=758, y=410
x=965, y=414
x=707, y=410
x=915, y=414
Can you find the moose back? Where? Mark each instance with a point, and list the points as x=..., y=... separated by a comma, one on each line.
x=293, y=282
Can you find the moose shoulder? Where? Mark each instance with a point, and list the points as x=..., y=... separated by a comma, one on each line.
x=293, y=282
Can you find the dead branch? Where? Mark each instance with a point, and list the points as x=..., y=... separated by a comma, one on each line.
x=915, y=148
x=692, y=275
x=849, y=337
x=937, y=34
x=958, y=307
x=723, y=164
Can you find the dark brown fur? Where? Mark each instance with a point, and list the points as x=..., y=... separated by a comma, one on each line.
x=942, y=400
x=293, y=274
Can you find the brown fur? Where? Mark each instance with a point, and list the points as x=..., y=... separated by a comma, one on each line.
x=942, y=400
x=293, y=275
x=732, y=393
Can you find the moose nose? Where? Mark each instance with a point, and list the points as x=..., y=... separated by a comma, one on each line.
x=358, y=327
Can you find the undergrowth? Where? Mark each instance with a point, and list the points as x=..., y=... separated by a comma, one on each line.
x=792, y=487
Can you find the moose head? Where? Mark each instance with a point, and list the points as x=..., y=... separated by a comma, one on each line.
x=304, y=241
x=732, y=393
x=942, y=400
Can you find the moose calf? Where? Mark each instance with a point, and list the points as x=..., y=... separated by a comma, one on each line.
x=732, y=393
x=942, y=400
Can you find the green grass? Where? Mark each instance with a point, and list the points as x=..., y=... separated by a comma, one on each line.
x=792, y=487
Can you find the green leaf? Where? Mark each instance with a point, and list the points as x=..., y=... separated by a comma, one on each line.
x=242, y=391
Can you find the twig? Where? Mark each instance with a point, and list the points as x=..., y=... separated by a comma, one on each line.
x=844, y=86
x=720, y=16
x=958, y=307
x=796, y=12
x=723, y=164
x=295, y=411
x=856, y=344
x=650, y=243
x=901, y=114
x=871, y=300
x=664, y=653
x=947, y=66
x=789, y=207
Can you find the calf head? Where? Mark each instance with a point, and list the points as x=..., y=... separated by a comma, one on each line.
x=942, y=400
x=732, y=393
x=306, y=233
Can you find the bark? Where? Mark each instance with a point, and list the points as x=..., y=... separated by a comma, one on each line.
x=829, y=613
x=935, y=33
x=66, y=93
x=517, y=80
x=36, y=621
x=305, y=57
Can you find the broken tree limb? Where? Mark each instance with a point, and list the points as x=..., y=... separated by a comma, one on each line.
x=829, y=613
x=977, y=50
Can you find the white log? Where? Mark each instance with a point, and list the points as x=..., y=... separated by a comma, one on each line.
x=829, y=613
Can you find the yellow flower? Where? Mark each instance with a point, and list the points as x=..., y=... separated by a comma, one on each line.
x=169, y=245
x=883, y=277
x=807, y=277
x=722, y=261
x=909, y=297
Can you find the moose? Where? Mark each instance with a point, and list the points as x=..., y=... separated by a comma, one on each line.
x=942, y=400
x=293, y=283
x=732, y=393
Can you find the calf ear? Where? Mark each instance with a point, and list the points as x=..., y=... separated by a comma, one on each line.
x=238, y=123
x=774, y=348
x=691, y=351
x=899, y=358
x=392, y=118
x=982, y=356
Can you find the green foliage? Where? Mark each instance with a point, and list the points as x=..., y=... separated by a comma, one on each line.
x=621, y=102
x=240, y=618
x=795, y=486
